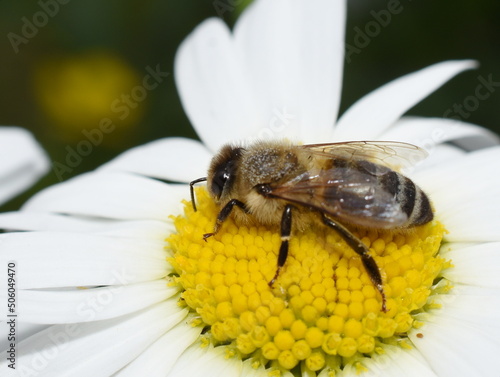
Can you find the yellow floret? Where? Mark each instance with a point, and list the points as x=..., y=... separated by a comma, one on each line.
x=284, y=340
x=298, y=329
x=273, y=325
x=301, y=350
x=315, y=361
x=314, y=337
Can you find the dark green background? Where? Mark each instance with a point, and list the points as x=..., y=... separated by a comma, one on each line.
x=148, y=32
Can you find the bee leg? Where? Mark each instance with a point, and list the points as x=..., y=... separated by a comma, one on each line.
x=361, y=249
x=191, y=190
x=286, y=228
x=224, y=214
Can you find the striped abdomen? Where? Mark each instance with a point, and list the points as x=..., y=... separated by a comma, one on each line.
x=414, y=202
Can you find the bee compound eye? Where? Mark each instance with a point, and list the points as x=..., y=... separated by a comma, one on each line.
x=218, y=182
x=223, y=170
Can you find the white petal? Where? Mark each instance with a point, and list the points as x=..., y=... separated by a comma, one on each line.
x=461, y=169
x=110, y=195
x=440, y=154
x=474, y=265
x=294, y=54
x=455, y=348
x=461, y=172
x=175, y=159
x=479, y=306
x=96, y=348
x=473, y=222
x=213, y=85
x=248, y=370
x=24, y=220
x=477, y=142
x=394, y=362
x=50, y=259
x=464, y=193
x=378, y=110
x=158, y=359
x=428, y=132
x=22, y=161
x=83, y=305
x=23, y=330
x=210, y=361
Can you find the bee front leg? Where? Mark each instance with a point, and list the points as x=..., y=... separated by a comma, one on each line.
x=286, y=228
x=224, y=214
x=361, y=249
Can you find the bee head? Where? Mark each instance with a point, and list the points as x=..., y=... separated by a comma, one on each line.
x=223, y=171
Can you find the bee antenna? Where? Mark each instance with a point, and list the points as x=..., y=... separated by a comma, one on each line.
x=191, y=189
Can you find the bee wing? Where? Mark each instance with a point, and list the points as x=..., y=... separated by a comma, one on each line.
x=351, y=195
x=393, y=154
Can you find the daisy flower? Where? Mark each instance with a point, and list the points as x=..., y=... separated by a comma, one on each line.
x=113, y=277
x=22, y=162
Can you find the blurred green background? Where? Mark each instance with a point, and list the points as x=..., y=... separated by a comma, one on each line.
x=79, y=62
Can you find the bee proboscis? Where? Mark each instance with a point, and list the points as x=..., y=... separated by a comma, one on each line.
x=354, y=183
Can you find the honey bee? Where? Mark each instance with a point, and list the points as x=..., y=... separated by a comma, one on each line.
x=354, y=183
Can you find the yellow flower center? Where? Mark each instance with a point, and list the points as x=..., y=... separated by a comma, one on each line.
x=323, y=311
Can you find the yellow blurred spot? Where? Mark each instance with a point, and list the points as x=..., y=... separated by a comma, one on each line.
x=88, y=93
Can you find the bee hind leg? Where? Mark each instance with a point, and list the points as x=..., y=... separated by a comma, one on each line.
x=224, y=214
x=361, y=249
x=286, y=228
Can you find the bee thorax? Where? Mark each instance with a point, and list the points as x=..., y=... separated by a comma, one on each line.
x=269, y=165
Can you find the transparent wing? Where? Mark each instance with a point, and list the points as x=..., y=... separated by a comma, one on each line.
x=395, y=155
x=351, y=195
